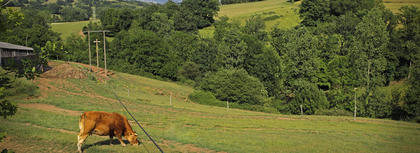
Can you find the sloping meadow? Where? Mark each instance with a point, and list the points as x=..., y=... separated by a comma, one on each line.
x=49, y=122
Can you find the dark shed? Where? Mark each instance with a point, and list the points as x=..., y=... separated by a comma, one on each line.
x=8, y=50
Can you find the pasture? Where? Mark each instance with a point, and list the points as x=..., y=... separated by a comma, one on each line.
x=68, y=28
x=49, y=121
x=395, y=5
x=275, y=13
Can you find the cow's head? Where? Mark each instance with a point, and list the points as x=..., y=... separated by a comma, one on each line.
x=132, y=138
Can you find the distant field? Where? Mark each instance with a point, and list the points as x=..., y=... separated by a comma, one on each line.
x=395, y=5
x=49, y=123
x=68, y=28
x=278, y=13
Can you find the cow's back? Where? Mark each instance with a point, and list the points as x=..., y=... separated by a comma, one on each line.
x=102, y=120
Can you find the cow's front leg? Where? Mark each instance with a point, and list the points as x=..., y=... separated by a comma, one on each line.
x=80, y=139
x=121, y=141
x=110, y=140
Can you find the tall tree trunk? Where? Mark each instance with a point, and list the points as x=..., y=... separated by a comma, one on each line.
x=368, y=76
x=368, y=83
x=409, y=71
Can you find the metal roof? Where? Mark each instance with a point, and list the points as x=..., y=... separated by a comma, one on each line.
x=13, y=46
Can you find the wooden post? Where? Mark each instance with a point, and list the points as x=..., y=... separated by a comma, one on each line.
x=170, y=99
x=90, y=58
x=354, y=115
x=301, y=110
x=97, y=54
x=227, y=105
x=0, y=55
x=106, y=74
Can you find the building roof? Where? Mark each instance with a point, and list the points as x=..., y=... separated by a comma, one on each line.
x=13, y=46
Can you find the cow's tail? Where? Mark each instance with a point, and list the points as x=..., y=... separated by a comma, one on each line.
x=82, y=122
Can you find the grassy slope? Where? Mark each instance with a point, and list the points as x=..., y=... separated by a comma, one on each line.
x=395, y=5
x=287, y=12
x=189, y=127
x=289, y=16
x=68, y=28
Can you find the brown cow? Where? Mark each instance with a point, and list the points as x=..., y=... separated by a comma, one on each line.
x=104, y=123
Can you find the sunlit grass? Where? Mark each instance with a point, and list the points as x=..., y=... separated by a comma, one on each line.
x=68, y=28
x=207, y=127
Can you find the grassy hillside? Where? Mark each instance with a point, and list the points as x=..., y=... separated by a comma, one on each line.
x=395, y=5
x=278, y=13
x=49, y=123
x=68, y=28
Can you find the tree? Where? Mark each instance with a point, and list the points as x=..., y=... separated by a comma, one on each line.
x=203, y=11
x=369, y=47
x=306, y=94
x=299, y=52
x=235, y=85
x=255, y=26
x=313, y=11
x=6, y=108
x=410, y=35
x=341, y=7
x=161, y=24
x=77, y=49
x=368, y=54
x=74, y=14
x=232, y=48
x=116, y=20
x=138, y=51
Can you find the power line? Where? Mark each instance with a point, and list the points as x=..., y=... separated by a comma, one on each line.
x=157, y=146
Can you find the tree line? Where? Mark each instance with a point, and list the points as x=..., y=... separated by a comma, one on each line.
x=342, y=52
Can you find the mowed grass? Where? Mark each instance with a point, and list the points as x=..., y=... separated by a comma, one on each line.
x=186, y=126
x=276, y=13
x=68, y=28
x=395, y=5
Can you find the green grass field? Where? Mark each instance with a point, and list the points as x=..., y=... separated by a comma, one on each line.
x=279, y=13
x=49, y=122
x=68, y=28
x=395, y=5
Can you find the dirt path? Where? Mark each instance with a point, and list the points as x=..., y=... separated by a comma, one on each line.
x=51, y=108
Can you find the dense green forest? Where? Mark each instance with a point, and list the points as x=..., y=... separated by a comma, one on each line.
x=71, y=10
x=343, y=51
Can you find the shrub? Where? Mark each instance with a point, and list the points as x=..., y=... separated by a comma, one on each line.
x=22, y=87
x=207, y=98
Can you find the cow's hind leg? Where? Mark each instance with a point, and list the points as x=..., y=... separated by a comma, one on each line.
x=80, y=139
x=110, y=139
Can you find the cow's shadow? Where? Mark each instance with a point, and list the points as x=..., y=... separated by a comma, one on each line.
x=114, y=142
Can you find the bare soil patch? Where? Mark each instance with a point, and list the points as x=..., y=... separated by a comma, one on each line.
x=63, y=70
x=51, y=108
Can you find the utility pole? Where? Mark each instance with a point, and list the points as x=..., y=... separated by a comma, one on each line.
x=106, y=74
x=354, y=116
x=90, y=58
x=97, y=54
